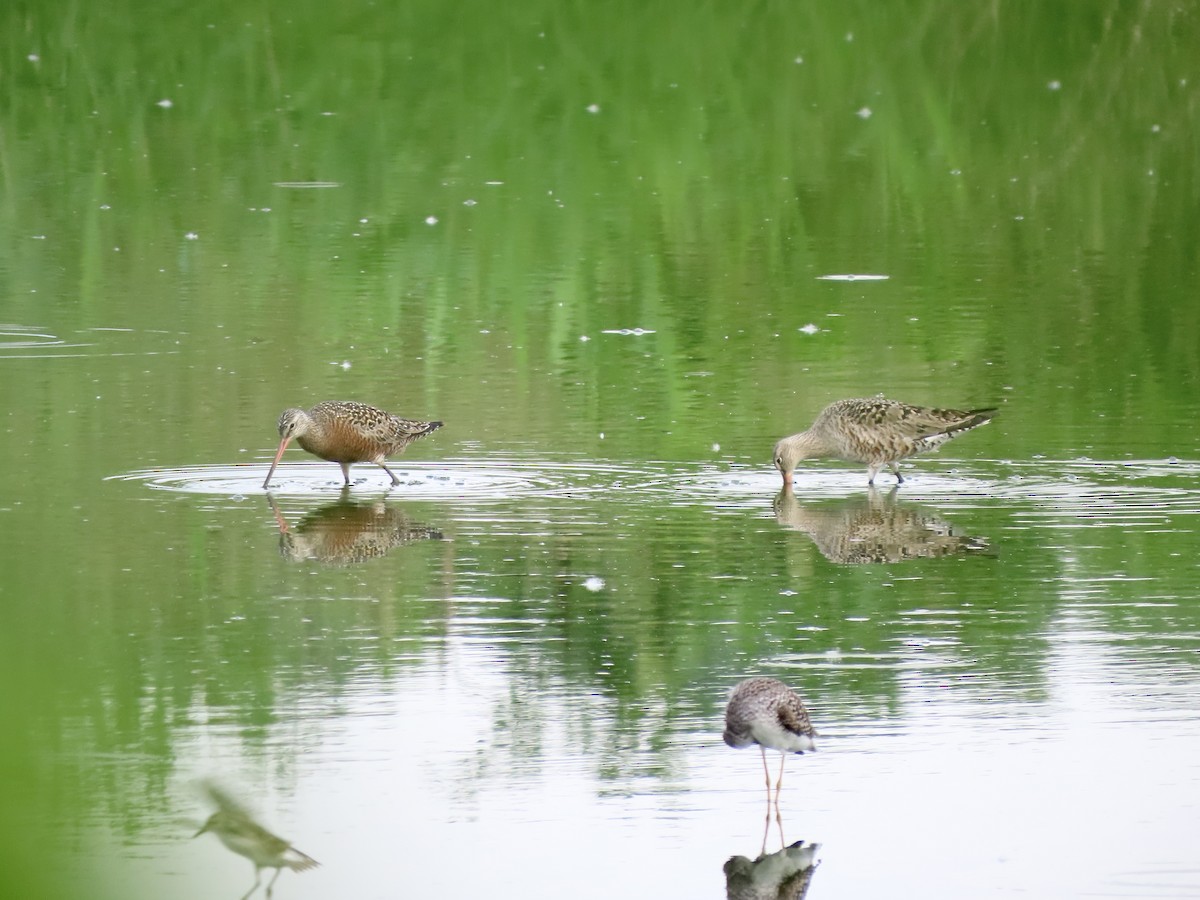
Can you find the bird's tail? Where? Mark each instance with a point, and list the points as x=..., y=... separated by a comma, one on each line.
x=973, y=418
x=297, y=861
x=412, y=429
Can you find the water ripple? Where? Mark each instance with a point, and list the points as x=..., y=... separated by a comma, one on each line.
x=1039, y=493
x=498, y=479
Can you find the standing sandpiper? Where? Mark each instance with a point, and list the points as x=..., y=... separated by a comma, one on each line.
x=767, y=712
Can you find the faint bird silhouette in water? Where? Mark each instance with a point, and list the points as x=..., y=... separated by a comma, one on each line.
x=238, y=831
x=767, y=712
x=875, y=431
x=877, y=529
x=345, y=432
x=347, y=532
x=783, y=875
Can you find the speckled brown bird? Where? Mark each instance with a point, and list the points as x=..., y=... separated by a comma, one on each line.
x=875, y=431
x=767, y=712
x=345, y=432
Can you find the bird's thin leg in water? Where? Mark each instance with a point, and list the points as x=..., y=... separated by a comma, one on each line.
x=779, y=782
x=395, y=480
x=896, y=469
x=766, y=771
x=872, y=471
x=345, y=471
x=779, y=822
x=257, y=882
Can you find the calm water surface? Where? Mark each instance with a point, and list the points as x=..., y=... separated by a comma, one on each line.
x=609, y=248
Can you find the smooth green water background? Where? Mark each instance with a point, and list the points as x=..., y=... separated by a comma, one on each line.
x=596, y=240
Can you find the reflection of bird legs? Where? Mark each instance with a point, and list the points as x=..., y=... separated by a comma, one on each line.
x=767, y=828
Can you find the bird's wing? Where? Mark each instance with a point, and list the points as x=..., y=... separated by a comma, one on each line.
x=794, y=717
x=923, y=421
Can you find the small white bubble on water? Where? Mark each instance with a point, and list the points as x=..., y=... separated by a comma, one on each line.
x=583, y=339
x=593, y=108
x=164, y=103
x=716, y=448
x=593, y=583
x=192, y=236
x=864, y=113
x=810, y=328
x=431, y=220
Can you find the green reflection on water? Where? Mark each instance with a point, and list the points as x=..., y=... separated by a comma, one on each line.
x=1024, y=175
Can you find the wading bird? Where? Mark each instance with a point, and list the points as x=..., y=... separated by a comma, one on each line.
x=875, y=431
x=344, y=432
x=241, y=834
x=767, y=712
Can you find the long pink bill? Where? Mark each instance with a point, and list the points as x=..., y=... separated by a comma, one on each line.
x=282, y=446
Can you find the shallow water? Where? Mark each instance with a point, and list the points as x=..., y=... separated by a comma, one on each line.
x=619, y=254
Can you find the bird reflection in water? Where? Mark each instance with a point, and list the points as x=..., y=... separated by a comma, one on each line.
x=346, y=532
x=876, y=529
x=238, y=831
x=783, y=875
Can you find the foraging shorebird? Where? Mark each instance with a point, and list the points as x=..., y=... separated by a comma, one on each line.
x=767, y=712
x=241, y=834
x=344, y=432
x=876, y=431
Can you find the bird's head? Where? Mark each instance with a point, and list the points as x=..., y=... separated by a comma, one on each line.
x=292, y=423
x=211, y=825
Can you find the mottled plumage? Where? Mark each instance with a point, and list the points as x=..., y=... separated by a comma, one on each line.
x=345, y=432
x=346, y=532
x=767, y=712
x=874, y=529
x=241, y=834
x=783, y=875
x=875, y=431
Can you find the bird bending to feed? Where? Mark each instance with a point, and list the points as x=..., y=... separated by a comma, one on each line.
x=344, y=432
x=241, y=834
x=878, y=432
x=767, y=712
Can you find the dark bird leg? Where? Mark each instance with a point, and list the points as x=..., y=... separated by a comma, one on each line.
x=896, y=469
x=346, y=472
x=395, y=480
